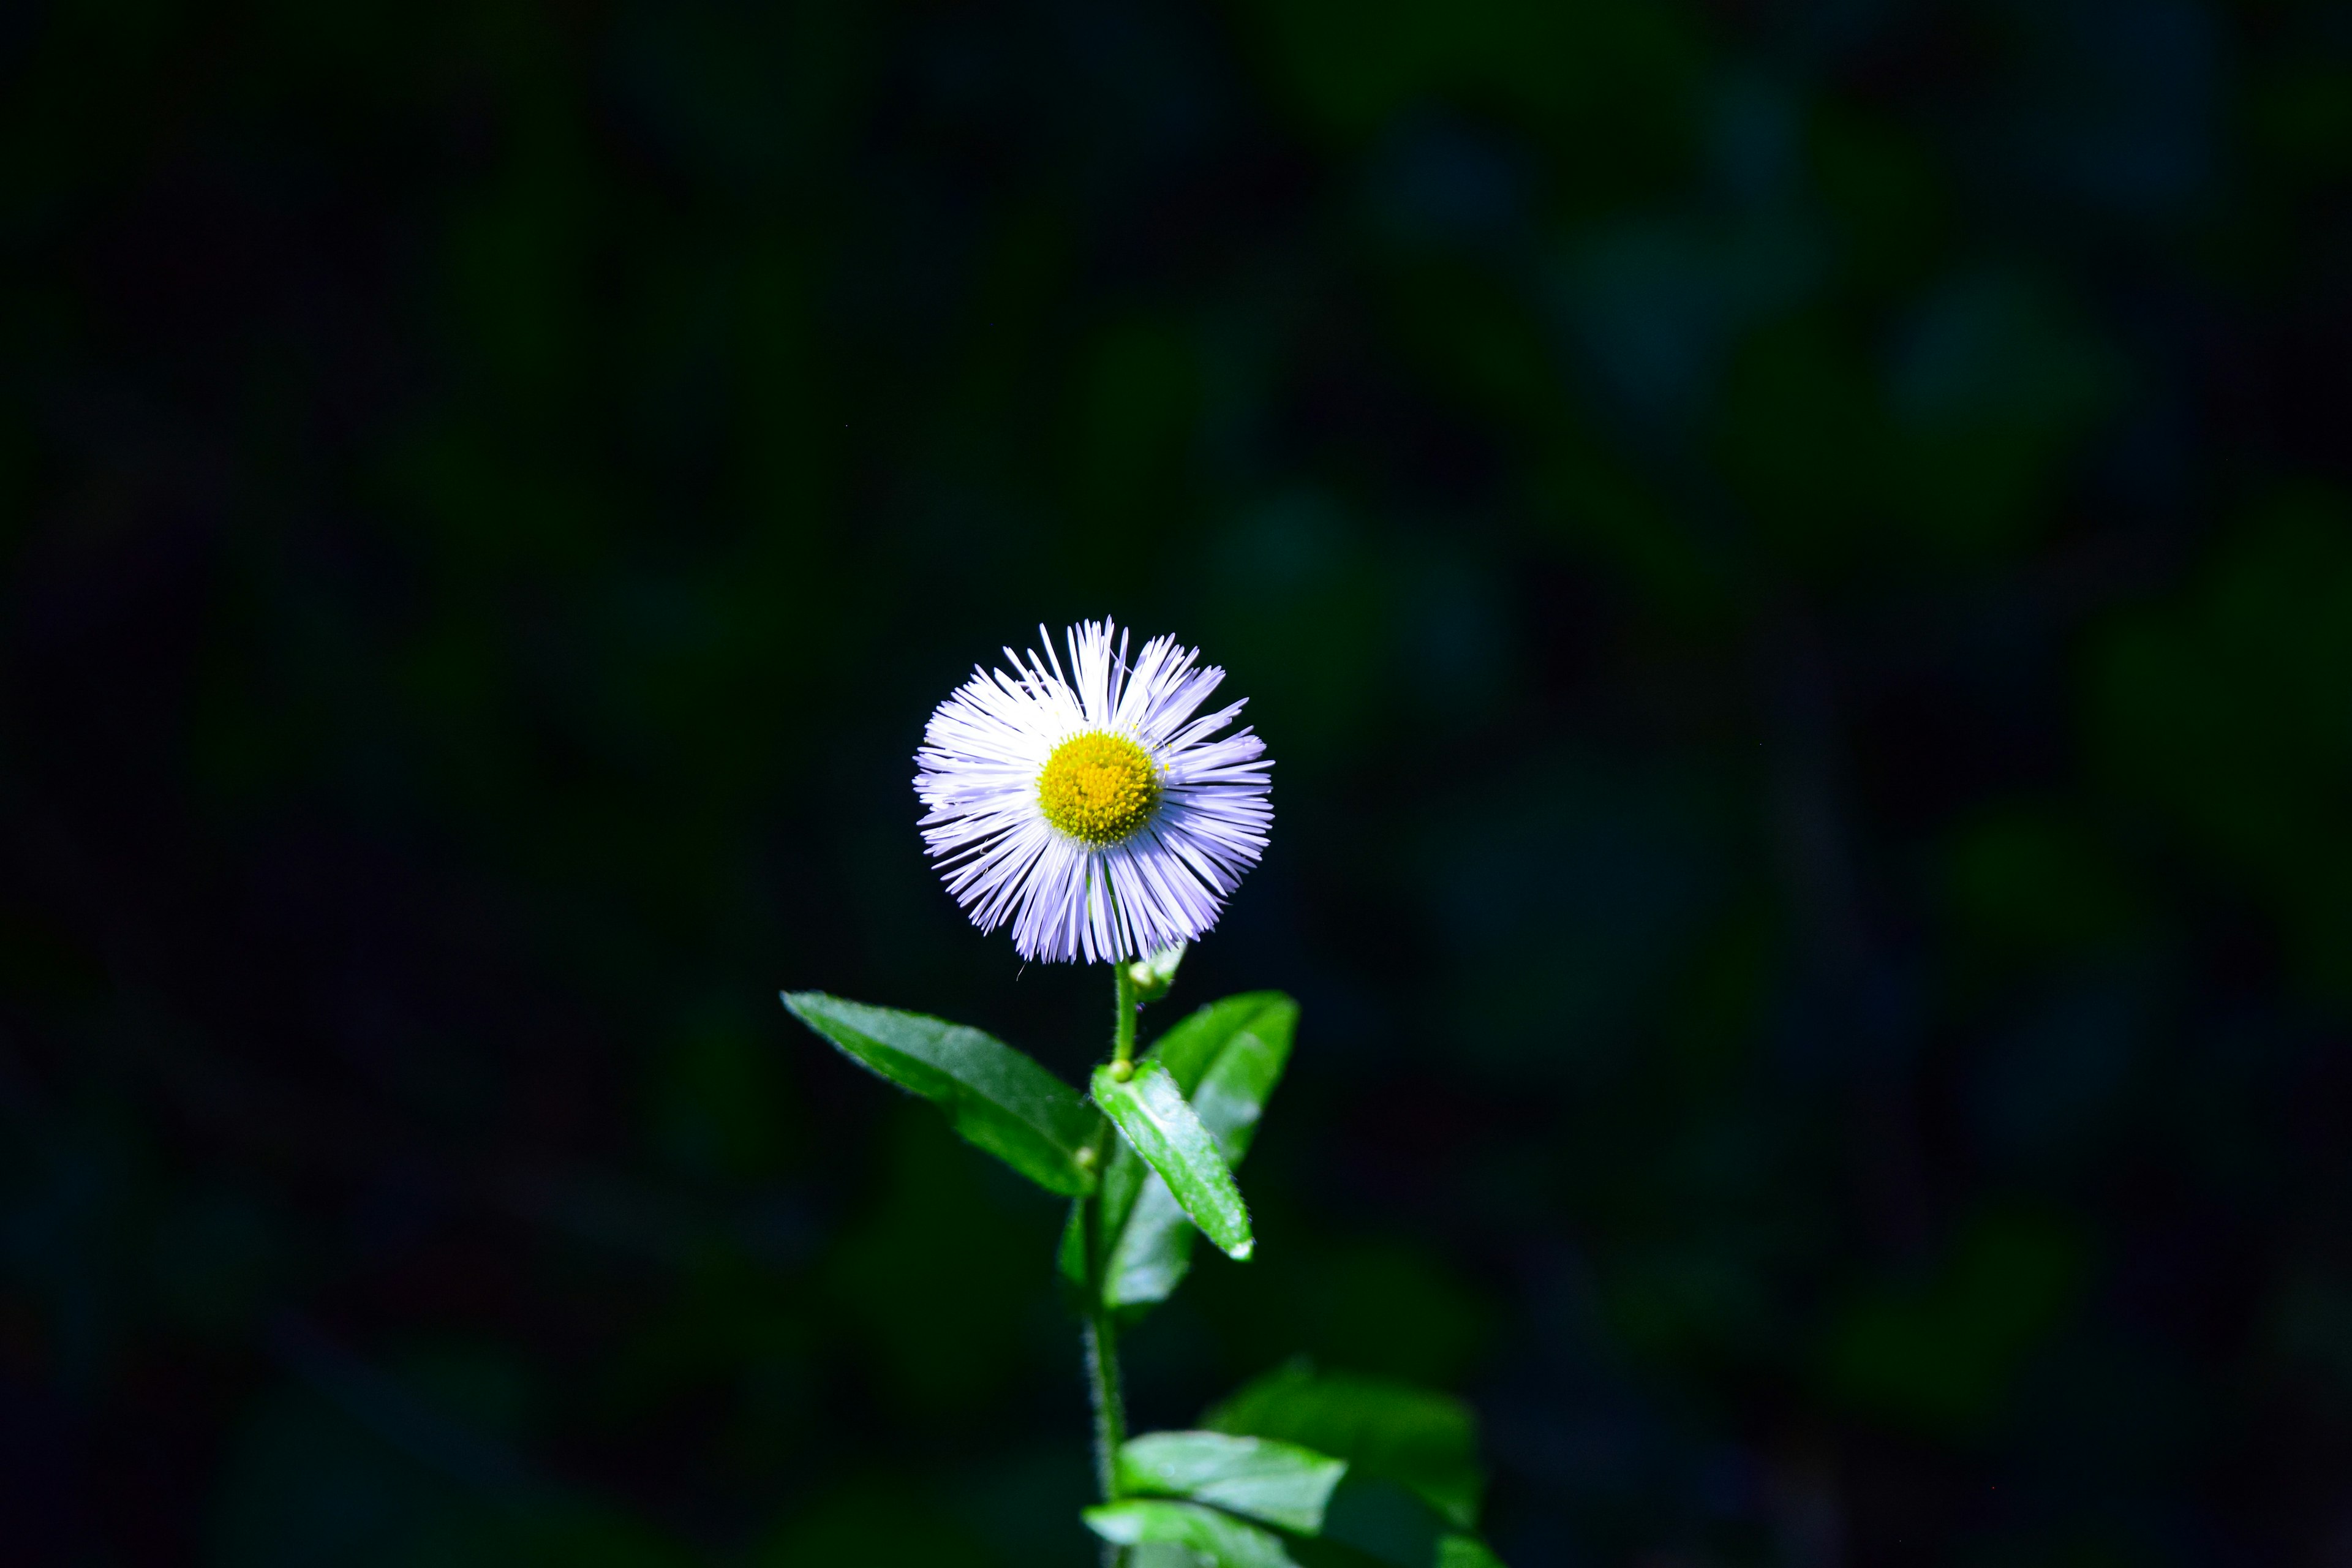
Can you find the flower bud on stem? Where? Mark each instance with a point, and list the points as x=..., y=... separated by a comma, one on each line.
x=1155, y=972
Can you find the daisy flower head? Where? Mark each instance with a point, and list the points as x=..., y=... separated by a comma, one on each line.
x=1090, y=807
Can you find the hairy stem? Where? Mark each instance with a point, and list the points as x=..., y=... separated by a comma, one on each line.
x=1122, y=1039
x=1099, y=1334
x=1110, y=1401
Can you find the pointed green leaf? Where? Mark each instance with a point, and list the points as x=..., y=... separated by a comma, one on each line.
x=1274, y=1483
x=1226, y=1058
x=1302, y=1493
x=1223, y=1539
x=1163, y=1554
x=1152, y=1252
x=998, y=1099
x=1152, y=1113
x=1425, y=1440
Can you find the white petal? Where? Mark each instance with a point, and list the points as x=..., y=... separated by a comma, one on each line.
x=976, y=775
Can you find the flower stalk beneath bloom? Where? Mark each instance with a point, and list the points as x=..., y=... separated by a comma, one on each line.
x=1122, y=1038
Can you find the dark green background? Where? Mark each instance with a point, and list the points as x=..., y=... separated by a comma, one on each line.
x=1794, y=558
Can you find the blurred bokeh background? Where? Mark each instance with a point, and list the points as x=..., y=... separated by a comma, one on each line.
x=1794, y=556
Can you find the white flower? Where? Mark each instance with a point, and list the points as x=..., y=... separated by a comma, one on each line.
x=1092, y=810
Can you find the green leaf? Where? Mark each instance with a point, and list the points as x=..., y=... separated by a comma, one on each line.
x=1152, y=1252
x=1344, y=1515
x=1226, y=1058
x=1223, y=1539
x=1163, y=1554
x=1274, y=1483
x=998, y=1099
x=1384, y=1520
x=1465, y=1551
x=1152, y=1113
x=1425, y=1440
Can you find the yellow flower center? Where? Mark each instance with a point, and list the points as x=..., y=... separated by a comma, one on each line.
x=1099, y=788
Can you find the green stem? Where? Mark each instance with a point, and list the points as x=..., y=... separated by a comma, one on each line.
x=1100, y=1335
x=1109, y=1401
x=1122, y=1039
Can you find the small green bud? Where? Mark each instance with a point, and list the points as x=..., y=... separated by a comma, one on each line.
x=1121, y=1071
x=1154, y=975
x=1085, y=1157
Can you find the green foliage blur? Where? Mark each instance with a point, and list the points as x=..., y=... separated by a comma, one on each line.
x=1795, y=561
